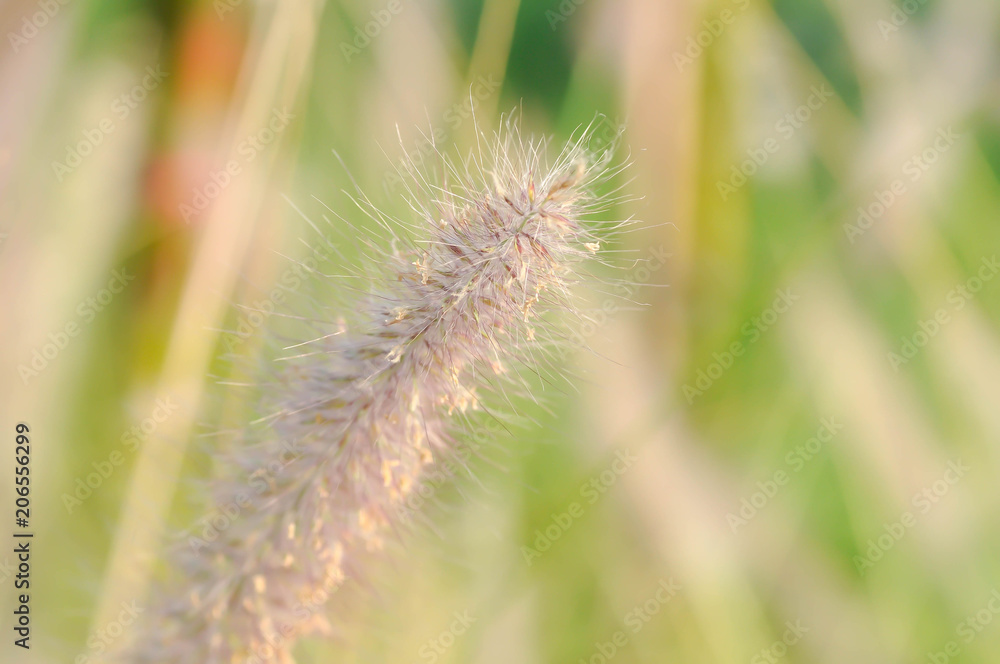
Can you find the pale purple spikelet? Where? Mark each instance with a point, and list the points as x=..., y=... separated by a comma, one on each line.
x=358, y=416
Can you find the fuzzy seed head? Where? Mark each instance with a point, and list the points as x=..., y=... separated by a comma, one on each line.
x=364, y=413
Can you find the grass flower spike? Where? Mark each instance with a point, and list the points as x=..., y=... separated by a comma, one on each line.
x=362, y=412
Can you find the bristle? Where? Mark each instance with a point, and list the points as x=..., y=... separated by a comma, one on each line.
x=370, y=411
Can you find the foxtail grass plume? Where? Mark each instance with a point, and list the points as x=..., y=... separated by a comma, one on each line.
x=473, y=296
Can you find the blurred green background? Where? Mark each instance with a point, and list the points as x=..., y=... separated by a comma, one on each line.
x=811, y=393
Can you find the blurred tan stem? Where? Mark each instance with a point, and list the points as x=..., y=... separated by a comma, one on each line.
x=492, y=51
x=274, y=68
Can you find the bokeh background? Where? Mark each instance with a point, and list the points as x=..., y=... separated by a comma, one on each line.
x=811, y=387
